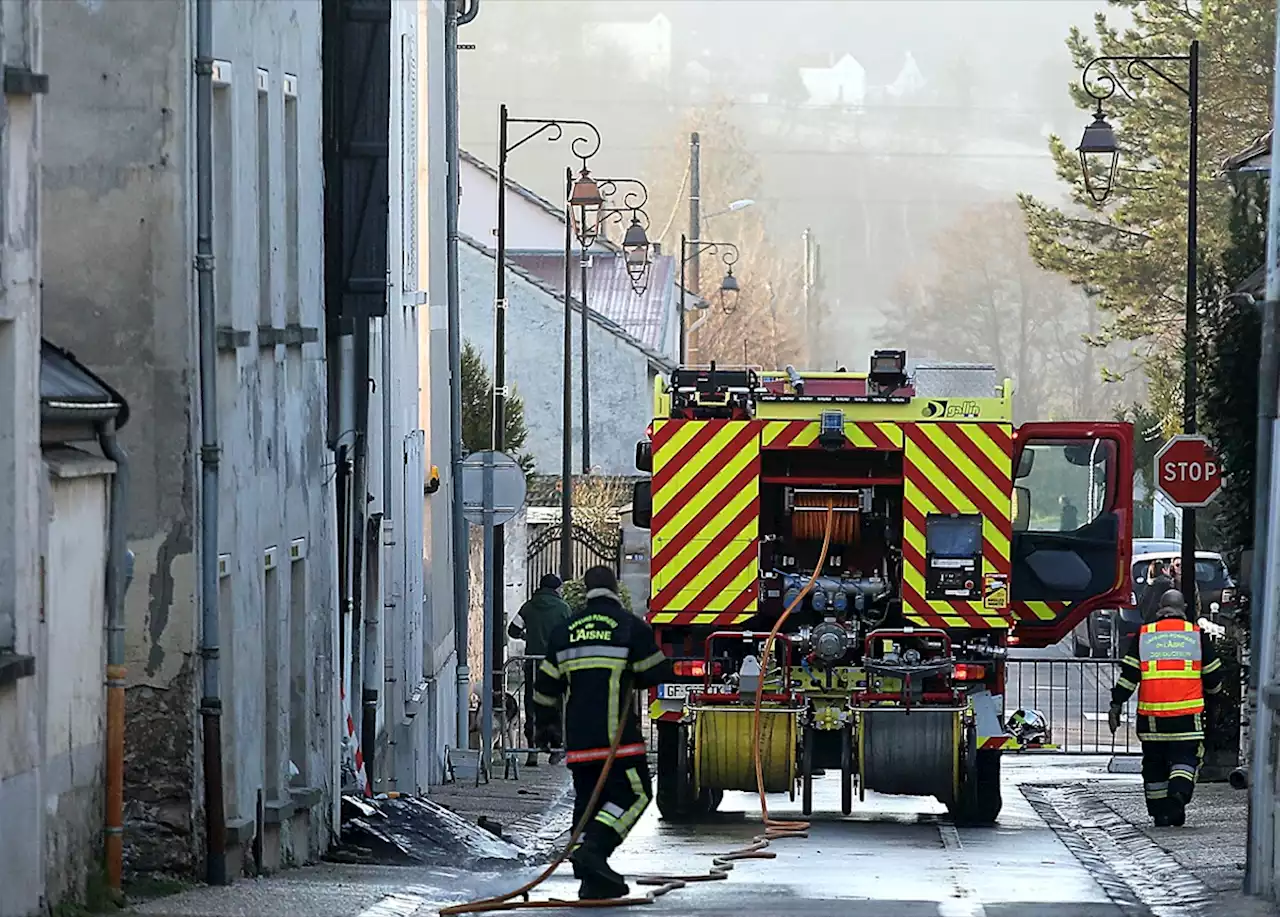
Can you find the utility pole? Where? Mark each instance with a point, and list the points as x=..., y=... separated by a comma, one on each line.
x=695, y=212
x=1260, y=860
x=810, y=338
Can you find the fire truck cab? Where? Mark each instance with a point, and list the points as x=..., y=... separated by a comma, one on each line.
x=954, y=535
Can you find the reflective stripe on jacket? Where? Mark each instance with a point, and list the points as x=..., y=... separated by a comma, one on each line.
x=1169, y=659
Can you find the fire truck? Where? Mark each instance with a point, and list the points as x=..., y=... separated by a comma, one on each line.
x=954, y=536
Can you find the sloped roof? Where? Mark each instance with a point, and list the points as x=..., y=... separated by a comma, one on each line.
x=1254, y=158
x=643, y=315
x=532, y=197
x=70, y=391
x=575, y=304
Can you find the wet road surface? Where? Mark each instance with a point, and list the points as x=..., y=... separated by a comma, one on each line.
x=893, y=857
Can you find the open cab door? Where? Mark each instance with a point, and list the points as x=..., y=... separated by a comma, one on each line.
x=1072, y=525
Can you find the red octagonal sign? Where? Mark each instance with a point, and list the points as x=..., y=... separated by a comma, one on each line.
x=1188, y=471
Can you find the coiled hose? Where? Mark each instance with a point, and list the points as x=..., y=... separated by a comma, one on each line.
x=721, y=864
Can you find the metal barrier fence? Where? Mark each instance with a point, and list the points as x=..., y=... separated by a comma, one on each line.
x=1074, y=696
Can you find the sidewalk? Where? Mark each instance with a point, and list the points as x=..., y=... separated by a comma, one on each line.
x=1196, y=869
x=531, y=809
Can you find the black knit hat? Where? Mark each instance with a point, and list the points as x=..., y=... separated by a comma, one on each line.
x=550, y=581
x=600, y=578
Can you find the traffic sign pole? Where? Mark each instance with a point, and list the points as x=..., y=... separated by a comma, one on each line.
x=486, y=694
x=1188, y=473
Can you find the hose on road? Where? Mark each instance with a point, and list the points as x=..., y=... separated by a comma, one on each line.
x=721, y=864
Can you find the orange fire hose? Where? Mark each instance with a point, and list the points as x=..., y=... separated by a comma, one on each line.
x=720, y=864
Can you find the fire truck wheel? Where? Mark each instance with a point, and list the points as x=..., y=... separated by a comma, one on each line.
x=806, y=772
x=675, y=797
x=980, y=802
x=846, y=769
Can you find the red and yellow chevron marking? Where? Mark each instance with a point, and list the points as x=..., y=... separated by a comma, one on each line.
x=699, y=617
x=999, y=742
x=803, y=434
x=706, y=508
x=1039, y=611
x=956, y=468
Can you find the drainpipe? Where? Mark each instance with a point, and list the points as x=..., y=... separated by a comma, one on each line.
x=118, y=575
x=461, y=531
x=211, y=700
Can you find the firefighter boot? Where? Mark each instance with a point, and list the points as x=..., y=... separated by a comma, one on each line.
x=599, y=880
x=532, y=760
x=1177, y=810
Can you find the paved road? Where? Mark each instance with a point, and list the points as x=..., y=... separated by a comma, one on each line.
x=894, y=857
x=1073, y=694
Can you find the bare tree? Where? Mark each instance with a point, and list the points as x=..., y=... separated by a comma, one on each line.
x=765, y=326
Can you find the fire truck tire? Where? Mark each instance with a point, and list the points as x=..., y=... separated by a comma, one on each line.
x=846, y=769
x=980, y=801
x=675, y=797
x=806, y=772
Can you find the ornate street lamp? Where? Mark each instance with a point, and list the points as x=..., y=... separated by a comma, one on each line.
x=635, y=252
x=585, y=204
x=1098, y=145
x=584, y=145
x=729, y=288
x=1099, y=139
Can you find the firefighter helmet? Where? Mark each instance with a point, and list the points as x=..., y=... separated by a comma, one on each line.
x=1029, y=726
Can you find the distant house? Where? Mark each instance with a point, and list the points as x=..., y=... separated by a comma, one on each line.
x=842, y=83
x=645, y=44
x=535, y=242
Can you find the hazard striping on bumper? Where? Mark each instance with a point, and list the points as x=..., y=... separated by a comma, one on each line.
x=999, y=742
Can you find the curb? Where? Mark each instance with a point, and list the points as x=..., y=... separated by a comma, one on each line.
x=1139, y=875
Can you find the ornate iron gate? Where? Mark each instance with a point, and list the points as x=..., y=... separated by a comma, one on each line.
x=590, y=548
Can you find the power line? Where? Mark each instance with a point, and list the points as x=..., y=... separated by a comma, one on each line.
x=850, y=154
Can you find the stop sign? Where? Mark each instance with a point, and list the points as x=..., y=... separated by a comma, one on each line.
x=1188, y=471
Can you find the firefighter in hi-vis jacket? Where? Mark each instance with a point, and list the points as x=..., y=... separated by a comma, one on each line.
x=595, y=660
x=1172, y=666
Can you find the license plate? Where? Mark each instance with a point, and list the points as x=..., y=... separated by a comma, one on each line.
x=682, y=692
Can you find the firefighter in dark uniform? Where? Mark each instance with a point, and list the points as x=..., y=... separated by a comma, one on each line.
x=1172, y=666
x=595, y=660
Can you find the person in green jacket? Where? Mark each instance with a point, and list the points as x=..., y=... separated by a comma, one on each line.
x=533, y=624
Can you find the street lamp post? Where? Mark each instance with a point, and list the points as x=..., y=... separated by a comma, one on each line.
x=635, y=249
x=584, y=145
x=1099, y=141
x=729, y=288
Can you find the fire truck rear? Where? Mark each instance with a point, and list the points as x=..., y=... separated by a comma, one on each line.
x=951, y=533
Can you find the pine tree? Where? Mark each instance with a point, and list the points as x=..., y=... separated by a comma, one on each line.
x=1229, y=351
x=1132, y=250
x=477, y=411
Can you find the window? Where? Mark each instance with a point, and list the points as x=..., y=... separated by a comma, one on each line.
x=224, y=171
x=293, y=308
x=1063, y=485
x=264, y=200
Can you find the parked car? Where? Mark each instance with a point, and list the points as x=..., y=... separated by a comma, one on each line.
x=1106, y=631
x=1219, y=597
x=1093, y=635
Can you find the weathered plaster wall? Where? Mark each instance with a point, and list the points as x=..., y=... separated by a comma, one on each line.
x=77, y=513
x=118, y=293
x=621, y=394
x=119, y=206
x=22, y=814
